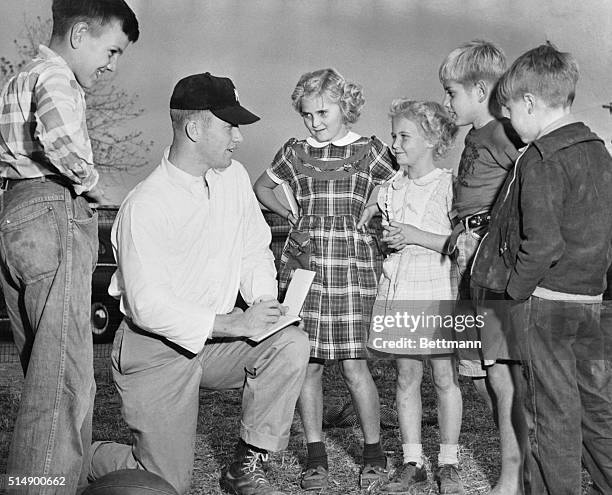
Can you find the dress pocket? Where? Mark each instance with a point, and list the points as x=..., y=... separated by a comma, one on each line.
x=298, y=250
x=31, y=243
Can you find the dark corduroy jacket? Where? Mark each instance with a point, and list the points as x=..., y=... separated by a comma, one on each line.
x=551, y=225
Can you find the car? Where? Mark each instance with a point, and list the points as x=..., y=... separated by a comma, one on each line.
x=105, y=313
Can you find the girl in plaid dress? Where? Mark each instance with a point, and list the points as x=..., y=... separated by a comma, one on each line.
x=332, y=174
x=418, y=279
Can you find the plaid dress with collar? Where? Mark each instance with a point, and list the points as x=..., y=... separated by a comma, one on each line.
x=332, y=185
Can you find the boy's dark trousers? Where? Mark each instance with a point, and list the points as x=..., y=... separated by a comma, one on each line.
x=568, y=398
x=48, y=249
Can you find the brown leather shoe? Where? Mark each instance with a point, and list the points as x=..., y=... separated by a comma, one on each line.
x=405, y=480
x=314, y=478
x=246, y=476
x=448, y=480
x=372, y=475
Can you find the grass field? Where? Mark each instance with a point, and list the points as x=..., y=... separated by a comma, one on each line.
x=218, y=426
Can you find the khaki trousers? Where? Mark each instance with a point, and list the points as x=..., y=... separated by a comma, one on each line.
x=159, y=388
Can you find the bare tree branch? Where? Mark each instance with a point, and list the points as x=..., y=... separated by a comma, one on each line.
x=109, y=108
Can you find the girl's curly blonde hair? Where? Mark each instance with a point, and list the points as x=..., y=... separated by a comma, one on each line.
x=348, y=95
x=431, y=118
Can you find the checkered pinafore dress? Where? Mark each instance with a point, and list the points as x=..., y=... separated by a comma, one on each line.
x=417, y=280
x=332, y=185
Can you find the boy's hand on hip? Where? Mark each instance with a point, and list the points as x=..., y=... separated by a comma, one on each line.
x=96, y=195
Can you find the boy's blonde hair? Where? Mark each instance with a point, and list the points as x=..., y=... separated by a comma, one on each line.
x=472, y=62
x=348, y=95
x=433, y=120
x=544, y=72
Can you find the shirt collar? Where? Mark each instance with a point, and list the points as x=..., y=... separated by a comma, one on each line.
x=180, y=178
x=562, y=134
x=45, y=53
x=401, y=180
x=349, y=138
x=560, y=122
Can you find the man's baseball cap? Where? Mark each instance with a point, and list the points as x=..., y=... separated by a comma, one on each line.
x=207, y=92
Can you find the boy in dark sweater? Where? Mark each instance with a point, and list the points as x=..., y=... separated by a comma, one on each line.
x=549, y=247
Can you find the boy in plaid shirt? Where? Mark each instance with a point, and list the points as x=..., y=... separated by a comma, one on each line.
x=49, y=234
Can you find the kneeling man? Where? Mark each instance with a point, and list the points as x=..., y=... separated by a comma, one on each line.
x=186, y=240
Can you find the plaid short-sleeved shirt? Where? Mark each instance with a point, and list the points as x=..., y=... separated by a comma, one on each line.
x=43, y=130
x=332, y=184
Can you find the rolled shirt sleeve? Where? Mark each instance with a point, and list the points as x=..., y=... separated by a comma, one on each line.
x=43, y=124
x=61, y=128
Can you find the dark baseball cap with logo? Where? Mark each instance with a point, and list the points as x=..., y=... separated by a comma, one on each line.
x=208, y=92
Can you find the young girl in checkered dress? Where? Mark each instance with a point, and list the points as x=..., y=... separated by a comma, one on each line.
x=418, y=279
x=332, y=174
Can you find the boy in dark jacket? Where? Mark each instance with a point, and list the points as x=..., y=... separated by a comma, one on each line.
x=549, y=248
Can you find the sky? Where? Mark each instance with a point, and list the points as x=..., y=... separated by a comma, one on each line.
x=391, y=47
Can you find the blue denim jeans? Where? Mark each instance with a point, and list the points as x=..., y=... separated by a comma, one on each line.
x=568, y=401
x=48, y=249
